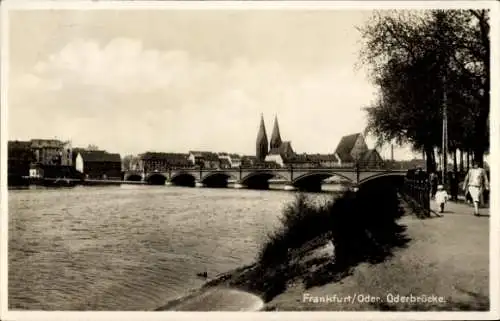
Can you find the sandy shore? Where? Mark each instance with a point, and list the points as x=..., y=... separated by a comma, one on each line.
x=446, y=261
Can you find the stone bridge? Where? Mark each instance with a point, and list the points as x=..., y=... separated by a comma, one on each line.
x=293, y=178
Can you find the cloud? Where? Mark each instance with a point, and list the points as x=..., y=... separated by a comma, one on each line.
x=33, y=82
x=126, y=97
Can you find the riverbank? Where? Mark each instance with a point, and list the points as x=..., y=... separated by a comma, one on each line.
x=446, y=259
x=67, y=182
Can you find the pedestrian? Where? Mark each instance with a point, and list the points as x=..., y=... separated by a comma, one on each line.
x=441, y=197
x=475, y=183
x=453, y=179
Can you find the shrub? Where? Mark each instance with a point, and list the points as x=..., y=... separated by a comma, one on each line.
x=361, y=224
x=301, y=222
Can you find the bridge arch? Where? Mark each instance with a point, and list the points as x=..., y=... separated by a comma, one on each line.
x=156, y=179
x=260, y=179
x=396, y=177
x=133, y=177
x=312, y=181
x=183, y=179
x=217, y=179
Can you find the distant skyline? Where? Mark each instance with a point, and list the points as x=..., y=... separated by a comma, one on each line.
x=175, y=80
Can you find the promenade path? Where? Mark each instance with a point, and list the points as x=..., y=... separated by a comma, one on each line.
x=447, y=256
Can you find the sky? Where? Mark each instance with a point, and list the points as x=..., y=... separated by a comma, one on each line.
x=179, y=80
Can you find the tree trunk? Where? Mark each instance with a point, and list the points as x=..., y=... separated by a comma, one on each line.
x=468, y=160
x=461, y=160
x=479, y=157
x=455, y=167
x=430, y=163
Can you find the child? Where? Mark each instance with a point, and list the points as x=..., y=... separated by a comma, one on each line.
x=441, y=197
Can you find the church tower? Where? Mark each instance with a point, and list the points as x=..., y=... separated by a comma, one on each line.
x=275, y=136
x=262, y=144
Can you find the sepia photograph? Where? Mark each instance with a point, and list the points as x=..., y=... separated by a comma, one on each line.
x=249, y=156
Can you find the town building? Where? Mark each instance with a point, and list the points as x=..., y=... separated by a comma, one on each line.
x=224, y=163
x=325, y=160
x=19, y=158
x=204, y=159
x=352, y=149
x=160, y=162
x=248, y=161
x=99, y=164
x=235, y=160
x=230, y=160
x=36, y=171
x=300, y=161
x=52, y=152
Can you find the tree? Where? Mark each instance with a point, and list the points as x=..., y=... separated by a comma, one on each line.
x=126, y=162
x=92, y=147
x=416, y=59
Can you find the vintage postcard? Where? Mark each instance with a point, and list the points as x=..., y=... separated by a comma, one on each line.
x=298, y=160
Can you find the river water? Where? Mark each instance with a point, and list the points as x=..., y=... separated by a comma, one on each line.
x=130, y=247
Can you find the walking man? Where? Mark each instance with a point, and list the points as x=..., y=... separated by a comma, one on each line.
x=475, y=183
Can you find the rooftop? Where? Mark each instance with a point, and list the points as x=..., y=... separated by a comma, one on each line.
x=100, y=156
x=163, y=156
x=345, y=147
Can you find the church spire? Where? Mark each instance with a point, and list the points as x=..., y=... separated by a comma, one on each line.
x=275, y=136
x=262, y=144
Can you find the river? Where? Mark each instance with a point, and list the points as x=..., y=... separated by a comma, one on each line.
x=130, y=247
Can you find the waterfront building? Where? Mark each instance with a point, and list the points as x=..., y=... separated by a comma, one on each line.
x=19, y=158
x=248, y=161
x=204, y=159
x=352, y=149
x=301, y=161
x=36, y=171
x=262, y=147
x=235, y=160
x=229, y=160
x=99, y=164
x=160, y=162
x=52, y=152
x=224, y=163
x=325, y=160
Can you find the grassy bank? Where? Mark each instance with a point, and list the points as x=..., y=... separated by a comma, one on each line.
x=357, y=227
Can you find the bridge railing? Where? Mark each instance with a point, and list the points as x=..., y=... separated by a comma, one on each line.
x=361, y=166
x=416, y=191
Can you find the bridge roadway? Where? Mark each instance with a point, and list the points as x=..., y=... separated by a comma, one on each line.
x=294, y=178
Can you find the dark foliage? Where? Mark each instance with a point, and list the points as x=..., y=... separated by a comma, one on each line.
x=362, y=227
x=421, y=62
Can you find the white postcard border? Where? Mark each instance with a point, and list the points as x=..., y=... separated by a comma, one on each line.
x=6, y=314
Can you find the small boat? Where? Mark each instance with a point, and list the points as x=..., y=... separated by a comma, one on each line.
x=62, y=182
x=202, y=274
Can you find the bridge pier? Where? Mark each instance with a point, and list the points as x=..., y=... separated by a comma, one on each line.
x=289, y=187
x=168, y=183
x=199, y=184
x=238, y=185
